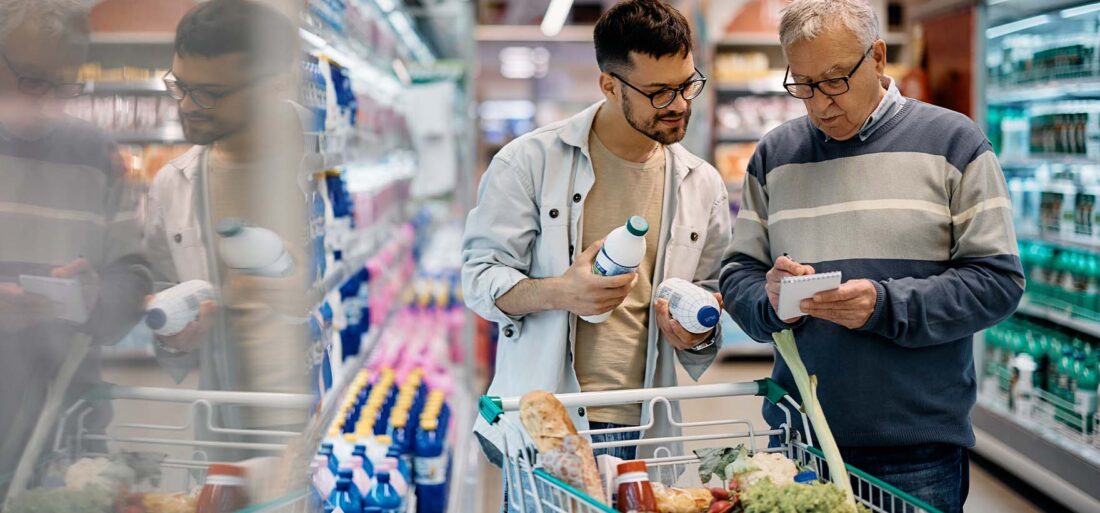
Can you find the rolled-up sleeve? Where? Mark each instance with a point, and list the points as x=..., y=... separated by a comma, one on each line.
x=496, y=247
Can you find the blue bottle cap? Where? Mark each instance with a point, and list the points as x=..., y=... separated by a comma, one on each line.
x=382, y=477
x=360, y=450
x=708, y=316
x=345, y=474
x=806, y=477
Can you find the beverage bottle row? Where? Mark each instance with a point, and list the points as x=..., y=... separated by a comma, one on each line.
x=1062, y=364
x=1061, y=276
x=374, y=447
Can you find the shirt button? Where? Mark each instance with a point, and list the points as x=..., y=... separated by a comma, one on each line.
x=577, y=198
x=580, y=411
x=571, y=249
x=553, y=213
x=509, y=332
x=178, y=238
x=694, y=236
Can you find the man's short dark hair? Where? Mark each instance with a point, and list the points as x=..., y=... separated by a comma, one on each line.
x=219, y=27
x=649, y=27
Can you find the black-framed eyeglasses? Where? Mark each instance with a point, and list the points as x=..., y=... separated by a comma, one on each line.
x=33, y=86
x=665, y=96
x=829, y=87
x=202, y=97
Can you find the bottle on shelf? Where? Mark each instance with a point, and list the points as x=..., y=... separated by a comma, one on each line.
x=431, y=468
x=383, y=496
x=1023, y=392
x=345, y=498
x=1086, y=383
x=622, y=252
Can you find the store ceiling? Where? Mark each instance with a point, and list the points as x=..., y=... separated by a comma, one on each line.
x=530, y=12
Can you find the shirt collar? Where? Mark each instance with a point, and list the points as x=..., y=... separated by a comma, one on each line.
x=888, y=107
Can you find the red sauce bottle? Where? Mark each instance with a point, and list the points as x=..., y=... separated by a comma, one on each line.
x=635, y=492
x=224, y=491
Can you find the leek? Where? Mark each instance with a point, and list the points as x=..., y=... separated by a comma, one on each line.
x=807, y=388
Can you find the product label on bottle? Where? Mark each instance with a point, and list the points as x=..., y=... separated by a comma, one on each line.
x=1085, y=402
x=431, y=471
x=606, y=266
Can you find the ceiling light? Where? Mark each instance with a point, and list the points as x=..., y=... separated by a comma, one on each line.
x=1016, y=26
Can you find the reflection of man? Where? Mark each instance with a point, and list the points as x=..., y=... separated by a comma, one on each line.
x=909, y=202
x=548, y=199
x=230, y=72
x=65, y=212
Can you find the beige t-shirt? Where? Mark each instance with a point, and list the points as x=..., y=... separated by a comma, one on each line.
x=267, y=352
x=612, y=355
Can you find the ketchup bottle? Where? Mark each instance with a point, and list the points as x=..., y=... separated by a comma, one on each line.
x=635, y=492
x=224, y=491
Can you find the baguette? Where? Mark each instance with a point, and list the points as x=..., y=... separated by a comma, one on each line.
x=545, y=419
x=562, y=451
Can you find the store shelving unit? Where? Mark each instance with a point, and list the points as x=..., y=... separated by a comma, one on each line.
x=1029, y=70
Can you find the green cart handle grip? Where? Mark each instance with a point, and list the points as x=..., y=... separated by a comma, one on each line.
x=770, y=390
x=490, y=408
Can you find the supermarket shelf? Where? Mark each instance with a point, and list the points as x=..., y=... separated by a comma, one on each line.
x=1041, y=160
x=1060, y=317
x=772, y=39
x=321, y=161
x=1068, y=471
x=133, y=38
x=1083, y=88
x=1070, y=241
x=153, y=85
x=165, y=135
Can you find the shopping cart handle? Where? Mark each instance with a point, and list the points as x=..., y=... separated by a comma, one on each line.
x=770, y=390
x=490, y=408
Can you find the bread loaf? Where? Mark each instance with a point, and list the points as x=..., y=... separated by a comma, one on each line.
x=545, y=419
x=562, y=452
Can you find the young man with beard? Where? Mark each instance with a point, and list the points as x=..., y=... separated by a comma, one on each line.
x=232, y=74
x=549, y=197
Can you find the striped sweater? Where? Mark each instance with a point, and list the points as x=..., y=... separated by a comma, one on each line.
x=921, y=209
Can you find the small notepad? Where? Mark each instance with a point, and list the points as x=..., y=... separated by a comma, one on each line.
x=796, y=288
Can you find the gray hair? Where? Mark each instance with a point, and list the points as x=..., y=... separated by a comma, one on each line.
x=67, y=19
x=804, y=20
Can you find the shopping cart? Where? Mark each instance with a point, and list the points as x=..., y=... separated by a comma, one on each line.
x=185, y=449
x=533, y=490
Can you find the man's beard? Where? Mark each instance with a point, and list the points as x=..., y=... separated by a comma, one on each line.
x=651, y=127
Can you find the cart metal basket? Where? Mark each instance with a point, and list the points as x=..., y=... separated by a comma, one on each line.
x=533, y=490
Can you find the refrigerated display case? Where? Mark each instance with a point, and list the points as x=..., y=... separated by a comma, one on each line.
x=1036, y=411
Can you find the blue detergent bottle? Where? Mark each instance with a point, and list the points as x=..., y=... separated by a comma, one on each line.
x=345, y=499
x=431, y=468
x=361, y=451
x=384, y=496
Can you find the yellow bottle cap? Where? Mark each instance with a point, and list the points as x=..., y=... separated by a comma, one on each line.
x=400, y=421
x=429, y=424
x=350, y=437
x=384, y=439
x=334, y=432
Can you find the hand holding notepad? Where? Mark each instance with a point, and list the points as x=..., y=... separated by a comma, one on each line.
x=793, y=290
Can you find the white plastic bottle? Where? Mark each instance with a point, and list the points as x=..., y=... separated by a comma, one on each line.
x=173, y=309
x=622, y=253
x=253, y=250
x=694, y=307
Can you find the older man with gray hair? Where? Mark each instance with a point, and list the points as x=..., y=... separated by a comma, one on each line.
x=67, y=214
x=908, y=201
